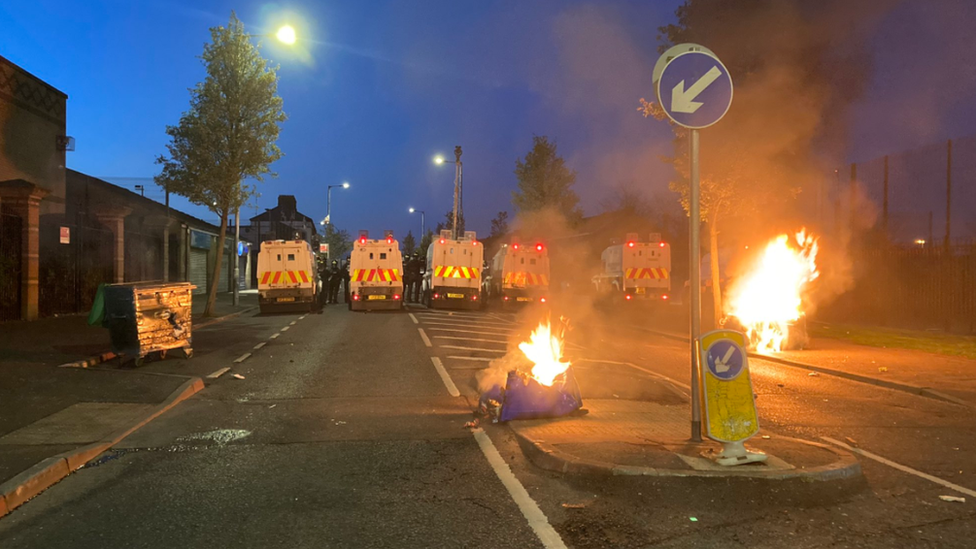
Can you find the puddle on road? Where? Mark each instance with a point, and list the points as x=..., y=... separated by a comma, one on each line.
x=218, y=436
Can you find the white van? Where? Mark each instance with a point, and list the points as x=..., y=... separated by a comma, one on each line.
x=287, y=279
x=375, y=274
x=453, y=277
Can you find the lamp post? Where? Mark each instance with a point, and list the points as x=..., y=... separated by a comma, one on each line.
x=423, y=222
x=458, y=206
x=328, y=209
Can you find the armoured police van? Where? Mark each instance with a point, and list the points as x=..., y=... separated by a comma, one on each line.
x=519, y=274
x=375, y=277
x=453, y=277
x=287, y=278
x=636, y=270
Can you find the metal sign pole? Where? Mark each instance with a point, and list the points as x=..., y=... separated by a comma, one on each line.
x=237, y=258
x=694, y=263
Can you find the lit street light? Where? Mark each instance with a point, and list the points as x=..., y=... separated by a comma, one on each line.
x=423, y=222
x=328, y=203
x=286, y=35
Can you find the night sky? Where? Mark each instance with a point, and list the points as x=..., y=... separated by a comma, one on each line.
x=378, y=87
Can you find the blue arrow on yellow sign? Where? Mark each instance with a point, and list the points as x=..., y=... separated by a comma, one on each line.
x=730, y=408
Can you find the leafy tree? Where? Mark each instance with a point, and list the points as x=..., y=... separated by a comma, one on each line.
x=449, y=222
x=229, y=133
x=409, y=243
x=425, y=242
x=499, y=225
x=339, y=241
x=544, y=182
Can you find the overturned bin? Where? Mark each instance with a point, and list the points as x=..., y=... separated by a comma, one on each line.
x=146, y=318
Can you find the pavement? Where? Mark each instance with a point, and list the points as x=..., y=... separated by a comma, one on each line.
x=49, y=411
x=346, y=430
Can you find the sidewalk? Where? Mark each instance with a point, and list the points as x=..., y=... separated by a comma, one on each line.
x=46, y=410
x=639, y=438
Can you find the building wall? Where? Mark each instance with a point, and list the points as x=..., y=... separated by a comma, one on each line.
x=32, y=118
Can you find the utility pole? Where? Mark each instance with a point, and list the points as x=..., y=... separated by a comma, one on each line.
x=853, y=197
x=237, y=260
x=948, y=230
x=457, y=191
x=884, y=215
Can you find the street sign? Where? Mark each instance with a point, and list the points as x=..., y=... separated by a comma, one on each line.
x=730, y=408
x=241, y=248
x=323, y=248
x=66, y=235
x=694, y=88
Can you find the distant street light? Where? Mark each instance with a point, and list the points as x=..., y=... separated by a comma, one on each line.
x=438, y=160
x=423, y=222
x=328, y=206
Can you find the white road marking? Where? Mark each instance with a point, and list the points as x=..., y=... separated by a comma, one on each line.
x=903, y=468
x=242, y=358
x=445, y=377
x=499, y=351
x=498, y=331
x=423, y=336
x=499, y=341
x=285, y=329
x=219, y=373
x=413, y=318
x=459, y=316
x=293, y=322
x=259, y=345
x=477, y=358
x=447, y=313
x=530, y=509
x=467, y=322
x=466, y=331
x=275, y=336
x=302, y=317
x=636, y=367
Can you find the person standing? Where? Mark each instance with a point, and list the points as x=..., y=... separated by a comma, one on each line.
x=345, y=280
x=335, y=278
x=411, y=278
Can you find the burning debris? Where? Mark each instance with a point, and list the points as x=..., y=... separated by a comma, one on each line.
x=769, y=300
x=535, y=382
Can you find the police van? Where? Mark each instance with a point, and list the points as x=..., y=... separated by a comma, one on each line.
x=375, y=277
x=636, y=271
x=519, y=273
x=453, y=277
x=287, y=279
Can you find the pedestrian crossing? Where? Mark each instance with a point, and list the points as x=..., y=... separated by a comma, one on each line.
x=467, y=340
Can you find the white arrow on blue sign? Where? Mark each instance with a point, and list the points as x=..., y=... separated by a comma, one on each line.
x=695, y=89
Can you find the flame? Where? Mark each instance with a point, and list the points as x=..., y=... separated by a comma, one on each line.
x=768, y=299
x=544, y=350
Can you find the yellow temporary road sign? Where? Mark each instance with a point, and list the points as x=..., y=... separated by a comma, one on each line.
x=730, y=407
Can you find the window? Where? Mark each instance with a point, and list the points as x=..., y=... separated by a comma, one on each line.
x=291, y=257
x=523, y=261
x=279, y=257
x=532, y=261
x=371, y=255
x=383, y=255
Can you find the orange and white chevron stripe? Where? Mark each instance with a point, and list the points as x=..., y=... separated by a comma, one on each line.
x=445, y=271
x=525, y=279
x=375, y=275
x=637, y=274
x=285, y=277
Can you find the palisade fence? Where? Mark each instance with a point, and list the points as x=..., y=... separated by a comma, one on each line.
x=69, y=273
x=915, y=267
x=10, y=243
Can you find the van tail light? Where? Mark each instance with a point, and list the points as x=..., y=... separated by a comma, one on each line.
x=542, y=300
x=355, y=297
x=474, y=298
x=664, y=297
x=663, y=245
x=628, y=297
x=505, y=298
x=437, y=296
x=396, y=297
x=631, y=244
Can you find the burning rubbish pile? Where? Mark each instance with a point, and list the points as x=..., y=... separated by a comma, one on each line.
x=534, y=382
x=770, y=300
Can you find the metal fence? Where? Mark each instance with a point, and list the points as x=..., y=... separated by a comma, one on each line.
x=10, y=256
x=70, y=272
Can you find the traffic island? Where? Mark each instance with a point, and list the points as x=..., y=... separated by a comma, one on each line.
x=636, y=438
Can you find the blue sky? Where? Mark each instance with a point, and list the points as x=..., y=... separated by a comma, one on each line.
x=379, y=87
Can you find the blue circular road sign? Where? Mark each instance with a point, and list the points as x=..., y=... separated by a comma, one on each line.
x=725, y=359
x=695, y=89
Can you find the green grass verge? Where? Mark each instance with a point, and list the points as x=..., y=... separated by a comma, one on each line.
x=944, y=344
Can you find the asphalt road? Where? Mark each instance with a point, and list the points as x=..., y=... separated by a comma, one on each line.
x=343, y=433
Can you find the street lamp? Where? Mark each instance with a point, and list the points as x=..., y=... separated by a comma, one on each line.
x=328, y=203
x=458, y=206
x=286, y=34
x=423, y=222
